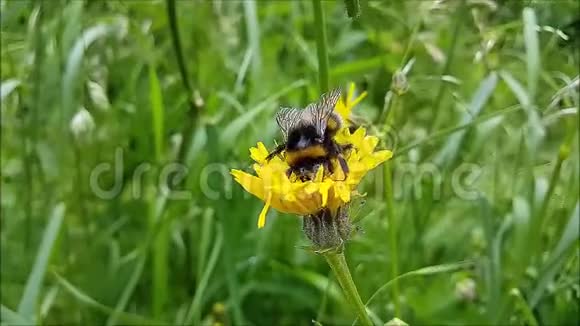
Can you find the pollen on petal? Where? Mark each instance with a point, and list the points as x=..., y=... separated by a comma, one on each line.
x=264, y=212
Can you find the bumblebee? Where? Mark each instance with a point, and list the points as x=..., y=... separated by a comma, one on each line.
x=309, y=138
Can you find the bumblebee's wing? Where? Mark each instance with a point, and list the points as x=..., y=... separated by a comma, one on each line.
x=288, y=119
x=317, y=113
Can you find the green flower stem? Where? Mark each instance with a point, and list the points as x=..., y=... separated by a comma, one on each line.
x=321, y=46
x=338, y=264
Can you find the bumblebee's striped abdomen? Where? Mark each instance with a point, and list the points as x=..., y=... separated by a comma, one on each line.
x=315, y=151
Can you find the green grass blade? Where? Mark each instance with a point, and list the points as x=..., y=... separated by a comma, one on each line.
x=194, y=312
x=157, y=112
x=357, y=66
x=320, y=282
x=128, y=290
x=124, y=318
x=535, y=130
x=7, y=87
x=74, y=62
x=10, y=317
x=321, y=45
x=451, y=148
x=569, y=237
x=448, y=131
x=517, y=88
x=160, y=246
x=532, y=50
x=425, y=271
x=204, y=243
x=253, y=34
x=234, y=128
x=523, y=306
x=29, y=300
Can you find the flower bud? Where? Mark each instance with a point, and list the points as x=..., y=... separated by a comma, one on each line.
x=82, y=124
x=396, y=322
x=399, y=83
x=466, y=290
x=564, y=152
x=98, y=95
x=327, y=231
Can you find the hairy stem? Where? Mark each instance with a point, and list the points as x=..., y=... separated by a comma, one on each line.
x=338, y=265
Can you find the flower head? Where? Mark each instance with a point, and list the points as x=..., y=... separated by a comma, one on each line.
x=327, y=190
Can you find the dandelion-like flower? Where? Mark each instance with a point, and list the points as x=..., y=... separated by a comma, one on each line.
x=328, y=191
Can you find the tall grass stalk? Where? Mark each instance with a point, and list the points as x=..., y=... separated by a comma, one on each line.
x=321, y=46
x=448, y=61
x=391, y=103
x=540, y=218
x=158, y=208
x=336, y=260
x=29, y=138
x=161, y=244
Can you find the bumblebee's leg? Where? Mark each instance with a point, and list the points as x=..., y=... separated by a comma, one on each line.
x=289, y=172
x=279, y=149
x=343, y=165
x=345, y=147
x=328, y=166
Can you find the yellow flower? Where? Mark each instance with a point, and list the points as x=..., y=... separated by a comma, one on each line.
x=326, y=190
x=344, y=107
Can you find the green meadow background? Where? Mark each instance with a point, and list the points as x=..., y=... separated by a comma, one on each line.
x=117, y=206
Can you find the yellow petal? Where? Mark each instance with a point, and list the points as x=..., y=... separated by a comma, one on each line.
x=319, y=174
x=311, y=188
x=323, y=190
x=350, y=93
x=264, y=212
x=383, y=155
x=369, y=144
x=250, y=183
x=342, y=109
x=358, y=99
x=343, y=136
x=343, y=192
x=259, y=154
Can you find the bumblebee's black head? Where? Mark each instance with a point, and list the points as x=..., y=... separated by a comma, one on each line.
x=303, y=137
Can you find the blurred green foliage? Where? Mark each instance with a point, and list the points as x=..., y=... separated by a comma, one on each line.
x=485, y=172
